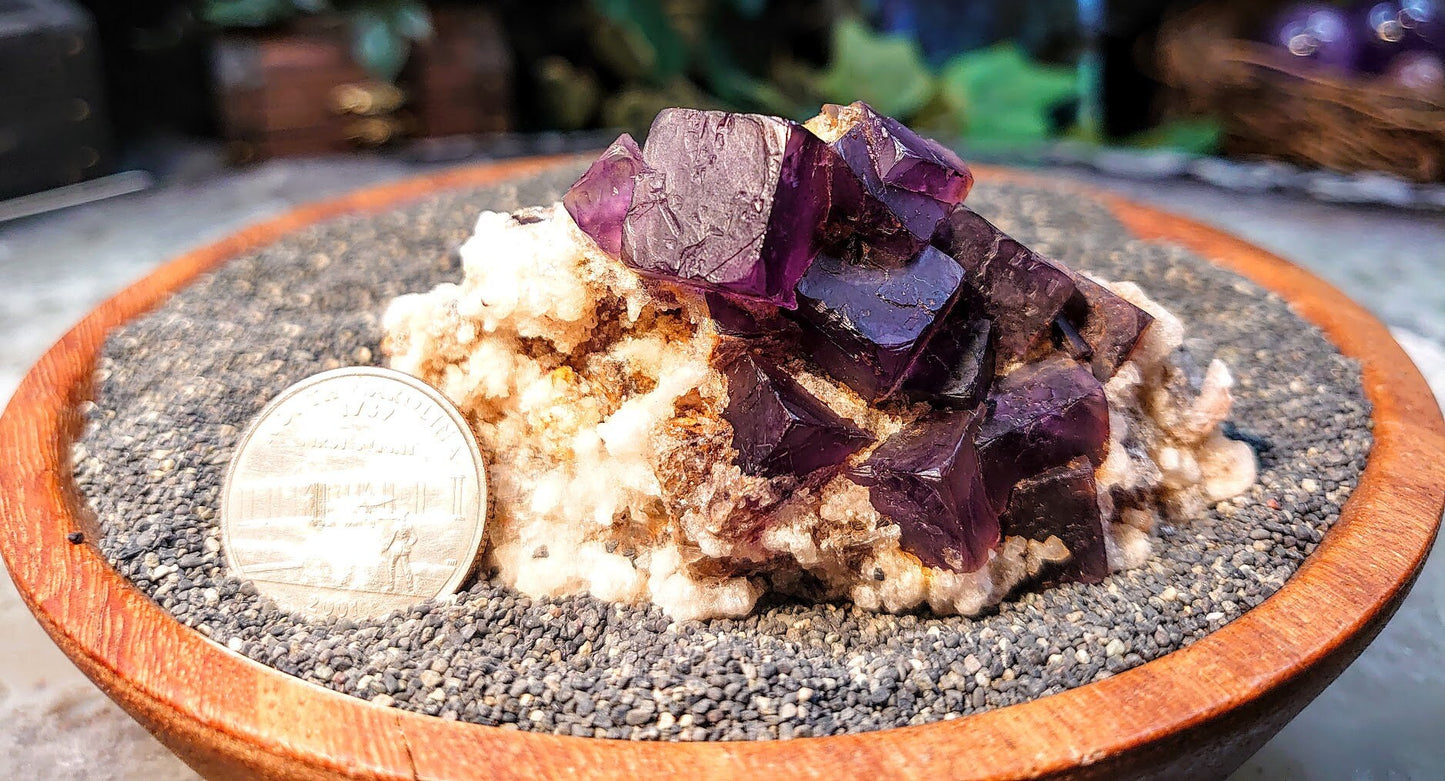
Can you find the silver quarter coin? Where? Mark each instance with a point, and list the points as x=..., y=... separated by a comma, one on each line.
x=354, y=493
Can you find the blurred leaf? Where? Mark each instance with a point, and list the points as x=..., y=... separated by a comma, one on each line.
x=378, y=46
x=750, y=9
x=887, y=71
x=997, y=96
x=1195, y=135
x=312, y=6
x=246, y=13
x=567, y=95
x=412, y=20
x=645, y=36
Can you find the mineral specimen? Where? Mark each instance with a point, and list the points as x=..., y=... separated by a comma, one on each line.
x=1021, y=291
x=917, y=179
x=778, y=427
x=598, y=201
x=865, y=324
x=728, y=203
x=926, y=479
x=1108, y=324
x=1062, y=502
x=1041, y=415
x=698, y=444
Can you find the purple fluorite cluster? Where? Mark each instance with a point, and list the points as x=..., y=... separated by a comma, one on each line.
x=851, y=250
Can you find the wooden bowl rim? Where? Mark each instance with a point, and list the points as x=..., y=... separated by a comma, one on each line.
x=167, y=674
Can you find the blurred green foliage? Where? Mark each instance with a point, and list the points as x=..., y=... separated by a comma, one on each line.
x=885, y=71
x=998, y=97
x=1195, y=135
x=616, y=63
x=993, y=97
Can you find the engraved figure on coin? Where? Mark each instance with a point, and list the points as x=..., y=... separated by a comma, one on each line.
x=397, y=550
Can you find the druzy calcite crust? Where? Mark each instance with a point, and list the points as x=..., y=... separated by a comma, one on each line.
x=753, y=355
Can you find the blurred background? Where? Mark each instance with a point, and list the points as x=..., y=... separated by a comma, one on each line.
x=1290, y=94
x=133, y=131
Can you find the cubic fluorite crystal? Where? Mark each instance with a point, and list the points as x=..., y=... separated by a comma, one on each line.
x=1062, y=502
x=1020, y=290
x=1110, y=325
x=914, y=177
x=926, y=479
x=866, y=324
x=1039, y=416
x=729, y=203
x=599, y=199
x=956, y=368
x=778, y=427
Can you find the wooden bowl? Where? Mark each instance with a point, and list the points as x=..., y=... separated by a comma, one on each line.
x=1201, y=710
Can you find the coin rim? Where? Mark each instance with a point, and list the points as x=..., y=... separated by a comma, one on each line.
x=478, y=541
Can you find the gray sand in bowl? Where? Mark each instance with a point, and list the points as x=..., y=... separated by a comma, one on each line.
x=177, y=387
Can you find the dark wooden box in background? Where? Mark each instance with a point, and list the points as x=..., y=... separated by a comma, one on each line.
x=278, y=89
x=53, y=129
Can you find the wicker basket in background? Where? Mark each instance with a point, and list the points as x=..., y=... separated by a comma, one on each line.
x=1274, y=105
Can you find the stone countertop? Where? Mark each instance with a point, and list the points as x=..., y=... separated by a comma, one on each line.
x=1380, y=719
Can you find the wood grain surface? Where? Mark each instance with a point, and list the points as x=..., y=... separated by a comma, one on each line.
x=1199, y=711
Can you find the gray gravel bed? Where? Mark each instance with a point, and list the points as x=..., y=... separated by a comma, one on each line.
x=175, y=389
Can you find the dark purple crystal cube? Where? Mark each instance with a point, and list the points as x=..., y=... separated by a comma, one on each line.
x=1020, y=290
x=1108, y=324
x=926, y=479
x=865, y=324
x=916, y=178
x=1039, y=416
x=599, y=199
x=1062, y=502
x=778, y=427
x=729, y=203
x=956, y=368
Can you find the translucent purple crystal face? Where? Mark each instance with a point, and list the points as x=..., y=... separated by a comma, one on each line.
x=599, y=199
x=926, y=479
x=865, y=324
x=1108, y=324
x=778, y=427
x=728, y=203
x=1020, y=290
x=1039, y=416
x=956, y=368
x=915, y=178
x=1062, y=502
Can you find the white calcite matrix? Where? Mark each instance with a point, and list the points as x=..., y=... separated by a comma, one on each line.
x=611, y=470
